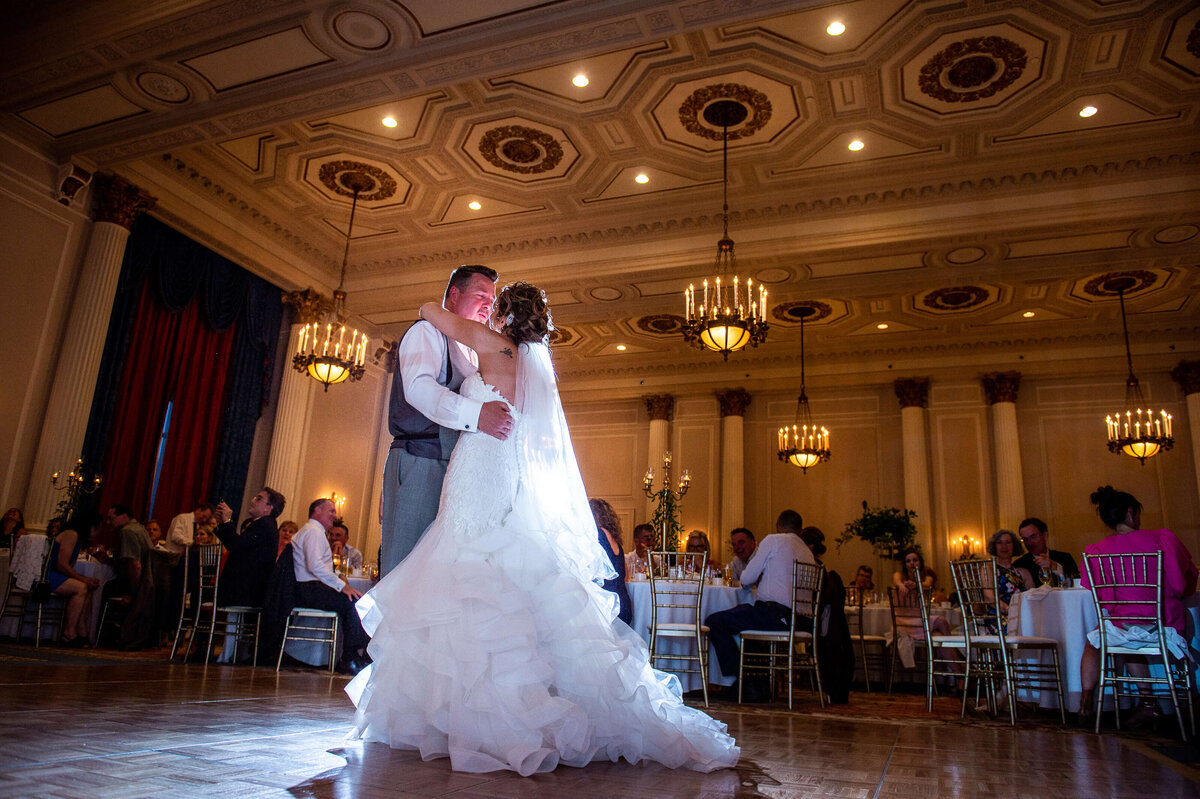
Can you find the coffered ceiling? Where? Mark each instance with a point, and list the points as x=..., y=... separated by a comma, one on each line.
x=977, y=221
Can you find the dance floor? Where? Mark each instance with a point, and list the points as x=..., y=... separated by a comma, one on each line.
x=89, y=727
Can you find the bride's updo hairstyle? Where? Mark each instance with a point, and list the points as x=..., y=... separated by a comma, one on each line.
x=524, y=313
x=1113, y=505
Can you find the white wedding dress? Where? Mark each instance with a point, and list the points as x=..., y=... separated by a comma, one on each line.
x=493, y=645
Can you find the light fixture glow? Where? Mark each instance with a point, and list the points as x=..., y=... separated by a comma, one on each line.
x=856, y=145
x=580, y=80
x=1088, y=111
x=1028, y=314
x=882, y=325
x=642, y=177
x=804, y=444
x=835, y=29
x=474, y=205
x=621, y=347
x=389, y=122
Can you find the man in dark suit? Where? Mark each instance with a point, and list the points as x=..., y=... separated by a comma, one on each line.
x=1043, y=562
x=252, y=551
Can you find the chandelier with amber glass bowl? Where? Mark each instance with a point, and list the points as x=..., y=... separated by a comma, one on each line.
x=327, y=351
x=726, y=314
x=1136, y=431
x=804, y=443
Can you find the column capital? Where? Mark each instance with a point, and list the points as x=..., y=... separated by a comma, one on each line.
x=1187, y=375
x=913, y=392
x=120, y=202
x=1001, y=386
x=733, y=401
x=307, y=306
x=660, y=406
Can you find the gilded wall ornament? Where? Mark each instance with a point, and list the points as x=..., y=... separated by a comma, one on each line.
x=660, y=406
x=959, y=298
x=1141, y=278
x=793, y=311
x=120, y=202
x=972, y=69
x=661, y=324
x=1001, y=386
x=521, y=150
x=913, y=392
x=1187, y=375
x=755, y=102
x=733, y=401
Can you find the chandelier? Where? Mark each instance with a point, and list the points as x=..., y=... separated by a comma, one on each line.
x=730, y=314
x=804, y=444
x=1136, y=431
x=327, y=351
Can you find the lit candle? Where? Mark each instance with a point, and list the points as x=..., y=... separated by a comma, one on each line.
x=706, y=303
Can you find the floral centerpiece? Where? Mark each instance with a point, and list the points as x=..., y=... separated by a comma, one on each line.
x=889, y=531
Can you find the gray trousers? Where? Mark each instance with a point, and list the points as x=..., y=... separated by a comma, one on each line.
x=412, y=490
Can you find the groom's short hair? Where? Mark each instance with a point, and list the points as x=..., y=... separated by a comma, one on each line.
x=461, y=276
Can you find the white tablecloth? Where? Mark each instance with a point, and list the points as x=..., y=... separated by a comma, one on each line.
x=1066, y=615
x=88, y=568
x=713, y=599
x=316, y=654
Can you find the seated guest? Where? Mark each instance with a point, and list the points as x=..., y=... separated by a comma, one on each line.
x=157, y=536
x=903, y=577
x=742, y=542
x=907, y=612
x=1010, y=578
x=864, y=578
x=1048, y=566
x=131, y=549
x=55, y=526
x=608, y=531
x=638, y=561
x=837, y=650
x=65, y=581
x=770, y=568
x=286, y=531
x=12, y=527
x=339, y=544
x=252, y=551
x=1122, y=514
x=318, y=587
x=181, y=532
x=697, y=542
x=140, y=577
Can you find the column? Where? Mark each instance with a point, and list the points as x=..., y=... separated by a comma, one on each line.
x=295, y=401
x=118, y=204
x=733, y=403
x=1001, y=390
x=1187, y=375
x=661, y=408
x=913, y=393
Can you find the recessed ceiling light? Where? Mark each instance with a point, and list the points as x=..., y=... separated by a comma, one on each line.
x=1088, y=111
x=856, y=145
x=474, y=205
x=835, y=29
x=882, y=325
x=580, y=80
x=621, y=347
x=642, y=177
x=389, y=122
x=1028, y=314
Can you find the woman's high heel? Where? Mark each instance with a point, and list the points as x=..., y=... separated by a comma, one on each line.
x=1147, y=712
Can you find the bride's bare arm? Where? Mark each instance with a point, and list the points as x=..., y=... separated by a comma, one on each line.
x=475, y=335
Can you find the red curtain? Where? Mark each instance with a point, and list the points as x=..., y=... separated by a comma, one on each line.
x=173, y=357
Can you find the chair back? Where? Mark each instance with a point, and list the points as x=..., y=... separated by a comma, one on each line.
x=210, y=573
x=975, y=581
x=807, y=579
x=677, y=584
x=854, y=612
x=1127, y=588
x=909, y=612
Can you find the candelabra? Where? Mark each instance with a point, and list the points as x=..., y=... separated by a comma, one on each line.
x=74, y=486
x=666, y=511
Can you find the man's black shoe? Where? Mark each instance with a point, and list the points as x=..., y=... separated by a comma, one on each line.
x=351, y=666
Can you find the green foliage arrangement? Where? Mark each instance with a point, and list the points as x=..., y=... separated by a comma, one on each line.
x=889, y=531
x=666, y=508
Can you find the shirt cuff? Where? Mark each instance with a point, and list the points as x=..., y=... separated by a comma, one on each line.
x=468, y=415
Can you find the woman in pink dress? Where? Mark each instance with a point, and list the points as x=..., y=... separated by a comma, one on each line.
x=1123, y=514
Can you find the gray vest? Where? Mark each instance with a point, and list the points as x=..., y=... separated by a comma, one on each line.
x=410, y=428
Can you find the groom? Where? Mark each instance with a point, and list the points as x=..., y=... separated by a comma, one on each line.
x=426, y=414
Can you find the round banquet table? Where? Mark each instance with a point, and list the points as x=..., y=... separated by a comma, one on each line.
x=877, y=620
x=85, y=566
x=102, y=572
x=315, y=654
x=1066, y=615
x=713, y=599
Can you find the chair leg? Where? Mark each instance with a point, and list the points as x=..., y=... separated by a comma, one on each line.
x=287, y=626
x=333, y=647
x=257, y=627
x=741, y=663
x=1058, y=685
x=702, y=659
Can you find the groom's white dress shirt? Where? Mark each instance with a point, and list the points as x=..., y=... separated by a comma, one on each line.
x=421, y=359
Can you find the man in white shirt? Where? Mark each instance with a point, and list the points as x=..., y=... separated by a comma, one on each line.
x=770, y=569
x=317, y=586
x=181, y=533
x=426, y=414
x=339, y=542
x=743, y=543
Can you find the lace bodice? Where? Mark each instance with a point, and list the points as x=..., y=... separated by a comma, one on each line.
x=481, y=481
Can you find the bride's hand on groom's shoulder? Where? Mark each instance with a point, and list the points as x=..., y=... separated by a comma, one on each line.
x=495, y=419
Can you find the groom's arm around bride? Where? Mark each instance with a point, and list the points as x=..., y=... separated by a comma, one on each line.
x=426, y=414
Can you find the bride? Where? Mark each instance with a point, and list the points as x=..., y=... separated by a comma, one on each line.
x=493, y=643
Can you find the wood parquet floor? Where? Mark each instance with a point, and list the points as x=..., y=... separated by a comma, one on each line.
x=96, y=730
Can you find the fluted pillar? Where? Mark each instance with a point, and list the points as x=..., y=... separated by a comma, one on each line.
x=661, y=408
x=1001, y=390
x=295, y=401
x=118, y=204
x=1187, y=375
x=733, y=403
x=913, y=394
